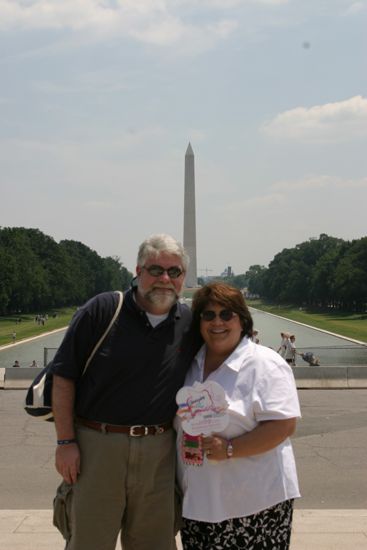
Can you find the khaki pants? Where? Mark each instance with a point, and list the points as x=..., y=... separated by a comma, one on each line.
x=126, y=484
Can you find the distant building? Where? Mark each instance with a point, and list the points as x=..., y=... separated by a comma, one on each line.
x=228, y=272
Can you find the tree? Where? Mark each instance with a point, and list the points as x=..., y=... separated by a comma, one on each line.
x=28, y=281
x=116, y=275
x=276, y=276
x=255, y=279
x=297, y=275
x=323, y=291
x=238, y=281
x=7, y=270
x=36, y=273
x=351, y=276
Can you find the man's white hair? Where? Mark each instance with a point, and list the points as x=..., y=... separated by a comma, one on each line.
x=156, y=244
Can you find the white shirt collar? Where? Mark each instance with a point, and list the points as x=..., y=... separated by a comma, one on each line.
x=235, y=360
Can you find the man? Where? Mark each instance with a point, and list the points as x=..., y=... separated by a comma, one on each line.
x=116, y=448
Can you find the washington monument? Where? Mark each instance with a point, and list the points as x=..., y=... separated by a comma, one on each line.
x=189, y=239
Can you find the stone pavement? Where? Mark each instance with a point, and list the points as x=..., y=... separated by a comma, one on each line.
x=312, y=530
x=331, y=454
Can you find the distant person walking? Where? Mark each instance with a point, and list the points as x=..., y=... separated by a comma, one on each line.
x=14, y=337
x=283, y=343
x=290, y=351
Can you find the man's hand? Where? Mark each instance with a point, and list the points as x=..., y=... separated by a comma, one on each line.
x=67, y=462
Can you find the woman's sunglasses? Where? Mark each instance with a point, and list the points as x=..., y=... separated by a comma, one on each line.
x=224, y=315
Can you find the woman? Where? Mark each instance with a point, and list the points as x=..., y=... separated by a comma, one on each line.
x=242, y=494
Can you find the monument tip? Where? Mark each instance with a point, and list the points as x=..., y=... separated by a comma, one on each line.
x=189, y=150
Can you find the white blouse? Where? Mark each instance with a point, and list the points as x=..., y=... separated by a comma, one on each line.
x=259, y=385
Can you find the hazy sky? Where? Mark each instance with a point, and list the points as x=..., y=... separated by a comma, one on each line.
x=99, y=99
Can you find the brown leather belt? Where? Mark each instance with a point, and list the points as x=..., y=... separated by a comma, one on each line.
x=133, y=431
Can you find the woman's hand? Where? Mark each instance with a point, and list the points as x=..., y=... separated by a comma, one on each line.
x=214, y=447
x=267, y=435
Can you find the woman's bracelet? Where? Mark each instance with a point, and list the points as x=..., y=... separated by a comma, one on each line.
x=65, y=441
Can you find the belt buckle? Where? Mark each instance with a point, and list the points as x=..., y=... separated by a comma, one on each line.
x=133, y=428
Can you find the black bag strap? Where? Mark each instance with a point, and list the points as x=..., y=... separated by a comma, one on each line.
x=38, y=398
x=115, y=315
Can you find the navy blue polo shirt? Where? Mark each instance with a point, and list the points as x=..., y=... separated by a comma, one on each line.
x=137, y=371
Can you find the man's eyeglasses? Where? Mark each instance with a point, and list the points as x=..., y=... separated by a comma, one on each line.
x=173, y=272
x=224, y=315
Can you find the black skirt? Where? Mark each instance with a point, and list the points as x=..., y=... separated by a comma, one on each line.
x=269, y=529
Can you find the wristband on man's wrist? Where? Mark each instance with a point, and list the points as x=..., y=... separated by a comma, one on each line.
x=65, y=441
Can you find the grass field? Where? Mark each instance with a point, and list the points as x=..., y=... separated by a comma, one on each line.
x=28, y=327
x=352, y=325
x=189, y=292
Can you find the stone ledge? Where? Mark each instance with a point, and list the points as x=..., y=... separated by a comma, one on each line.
x=337, y=377
x=2, y=376
x=20, y=378
x=331, y=377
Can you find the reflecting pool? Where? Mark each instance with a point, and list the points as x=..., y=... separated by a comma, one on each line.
x=332, y=350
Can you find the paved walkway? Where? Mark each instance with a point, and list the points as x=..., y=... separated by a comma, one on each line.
x=331, y=454
x=313, y=530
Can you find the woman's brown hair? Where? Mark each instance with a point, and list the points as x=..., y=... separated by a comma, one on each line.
x=227, y=296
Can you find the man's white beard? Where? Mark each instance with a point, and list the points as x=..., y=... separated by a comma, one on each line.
x=161, y=299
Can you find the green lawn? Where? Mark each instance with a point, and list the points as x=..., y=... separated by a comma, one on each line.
x=352, y=325
x=189, y=292
x=28, y=327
